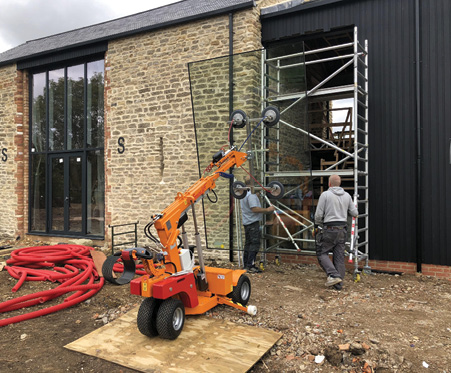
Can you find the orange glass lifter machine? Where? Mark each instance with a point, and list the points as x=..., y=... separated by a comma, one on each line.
x=173, y=286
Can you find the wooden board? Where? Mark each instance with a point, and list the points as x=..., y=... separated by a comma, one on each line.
x=98, y=258
x=205, y=345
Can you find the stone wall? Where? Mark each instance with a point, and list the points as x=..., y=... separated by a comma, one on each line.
x=148, y=103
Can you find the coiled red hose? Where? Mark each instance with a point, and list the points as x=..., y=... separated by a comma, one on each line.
x=72, y=267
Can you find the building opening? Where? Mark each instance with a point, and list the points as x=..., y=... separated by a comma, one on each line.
x=67, y=151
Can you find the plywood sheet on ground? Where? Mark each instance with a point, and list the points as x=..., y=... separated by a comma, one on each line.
x=205, y=345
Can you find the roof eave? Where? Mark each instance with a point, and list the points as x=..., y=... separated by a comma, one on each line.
x=234, y=8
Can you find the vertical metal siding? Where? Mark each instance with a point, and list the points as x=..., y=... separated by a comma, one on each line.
x=390, y=29
x=436, y=119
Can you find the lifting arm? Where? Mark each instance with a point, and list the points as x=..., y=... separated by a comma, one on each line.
x=172, y=218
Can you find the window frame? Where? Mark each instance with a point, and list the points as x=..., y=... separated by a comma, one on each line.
x=47, y=153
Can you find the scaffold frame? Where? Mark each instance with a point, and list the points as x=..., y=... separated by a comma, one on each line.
x=358, y=91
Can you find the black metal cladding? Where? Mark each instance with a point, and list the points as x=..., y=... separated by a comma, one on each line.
x=61, y=57
x=435, y=42
x=389, y=26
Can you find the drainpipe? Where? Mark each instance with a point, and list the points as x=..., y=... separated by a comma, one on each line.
x=231, y=199
x=419, y=130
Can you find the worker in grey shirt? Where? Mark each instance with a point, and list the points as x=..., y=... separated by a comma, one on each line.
x=332, y=211
x=252, y=213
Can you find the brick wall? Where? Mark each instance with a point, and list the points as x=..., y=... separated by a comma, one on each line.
x=21, y=156
x=376, y=265
x=10, y=127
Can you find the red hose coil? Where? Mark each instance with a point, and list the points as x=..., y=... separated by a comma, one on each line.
x=72, y=267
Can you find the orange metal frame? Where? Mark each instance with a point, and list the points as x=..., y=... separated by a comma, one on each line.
x=166, y=226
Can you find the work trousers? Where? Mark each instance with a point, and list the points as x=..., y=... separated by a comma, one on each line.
x=332, y=241
x=251, y=244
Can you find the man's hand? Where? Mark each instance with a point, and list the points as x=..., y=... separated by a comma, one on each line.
x=271, y=209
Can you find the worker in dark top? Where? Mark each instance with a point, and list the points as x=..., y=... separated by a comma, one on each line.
x=332, y=211
x=252, y=214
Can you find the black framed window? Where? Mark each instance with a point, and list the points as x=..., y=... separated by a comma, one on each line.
x=67, y=150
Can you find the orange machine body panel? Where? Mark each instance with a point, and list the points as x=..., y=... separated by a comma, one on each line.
x=220, y=280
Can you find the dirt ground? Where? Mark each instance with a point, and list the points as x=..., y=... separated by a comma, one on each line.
x=384, y=323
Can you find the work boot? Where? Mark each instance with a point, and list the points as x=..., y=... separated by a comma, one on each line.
x=333, y=280
x=257, y=270
x=338, y=286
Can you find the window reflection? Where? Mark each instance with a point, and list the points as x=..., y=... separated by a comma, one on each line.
x=56, y=109
x=95, y=104
x=38, y=198
x=96, y=198
x=75, y=106
x=38, y=110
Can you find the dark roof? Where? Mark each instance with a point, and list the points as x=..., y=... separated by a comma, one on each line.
x=182, y=11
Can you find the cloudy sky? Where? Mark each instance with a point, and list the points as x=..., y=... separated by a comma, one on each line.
x=24, y=20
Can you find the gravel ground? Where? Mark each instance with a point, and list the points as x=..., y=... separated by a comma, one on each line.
x=384, y=323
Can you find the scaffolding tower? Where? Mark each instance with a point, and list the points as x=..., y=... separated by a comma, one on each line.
x=348, y=148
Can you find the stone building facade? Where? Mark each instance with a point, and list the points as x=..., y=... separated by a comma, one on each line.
x=150, y=145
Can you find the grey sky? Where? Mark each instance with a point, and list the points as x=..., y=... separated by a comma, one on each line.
x=24, y=20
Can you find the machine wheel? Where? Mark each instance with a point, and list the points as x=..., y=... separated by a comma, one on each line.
x=170, y=318
x=239, y=190
x=147, y=316
x=276, y=190
x=111, y=276
x=242, y=291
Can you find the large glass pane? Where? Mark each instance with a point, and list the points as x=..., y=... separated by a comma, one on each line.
x=75, y=193
x=56, y=109
x=210, y=81
x=57, y=190
x=38, y=111
x=95, y=104
x=279, y=153
x=95, y=193
x=75, y=106
x=37, y=197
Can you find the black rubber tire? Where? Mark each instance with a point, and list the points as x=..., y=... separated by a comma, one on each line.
x=240, y=191
x=126, y=276
x=147, y=317
x=280, y=190
x=170, y=318
x=242, y=291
